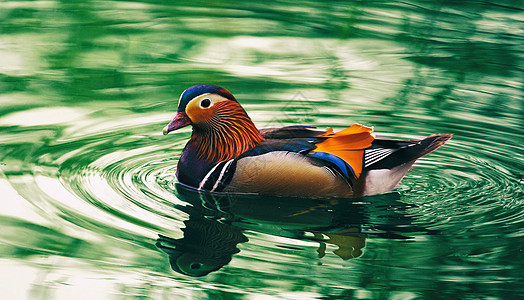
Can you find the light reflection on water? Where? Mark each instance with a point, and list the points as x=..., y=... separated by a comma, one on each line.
x=86, y=88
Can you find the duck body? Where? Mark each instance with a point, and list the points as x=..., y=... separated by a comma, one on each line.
x=227, y=153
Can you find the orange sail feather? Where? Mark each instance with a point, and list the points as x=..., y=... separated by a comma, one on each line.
x=348, y=144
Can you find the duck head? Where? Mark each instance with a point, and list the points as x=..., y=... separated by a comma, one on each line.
x=221, y=127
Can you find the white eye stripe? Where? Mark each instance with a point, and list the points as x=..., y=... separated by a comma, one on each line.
x=208, y=96
x=196, y=102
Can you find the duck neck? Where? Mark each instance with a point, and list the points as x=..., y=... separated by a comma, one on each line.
x=227, y=135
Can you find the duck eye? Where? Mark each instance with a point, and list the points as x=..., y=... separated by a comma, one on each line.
x=205, y=103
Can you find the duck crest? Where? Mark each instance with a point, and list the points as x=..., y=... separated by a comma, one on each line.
x=229, y=133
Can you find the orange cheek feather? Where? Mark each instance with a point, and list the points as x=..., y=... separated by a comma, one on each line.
x=197, y=114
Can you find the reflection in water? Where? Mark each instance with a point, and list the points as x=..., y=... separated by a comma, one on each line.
x=207, y=245
x=350, y=242
x=216, y=221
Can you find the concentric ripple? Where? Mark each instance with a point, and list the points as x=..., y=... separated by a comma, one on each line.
x=464, y=189
x=123, y=184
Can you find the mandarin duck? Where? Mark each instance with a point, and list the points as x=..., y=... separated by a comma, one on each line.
x=227, y=153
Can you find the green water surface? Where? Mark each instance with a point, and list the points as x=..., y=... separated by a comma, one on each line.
x=90, y=208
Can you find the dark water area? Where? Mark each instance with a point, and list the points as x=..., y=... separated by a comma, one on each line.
x=91, y=208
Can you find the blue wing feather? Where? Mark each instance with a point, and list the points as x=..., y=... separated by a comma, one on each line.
x=341, y=165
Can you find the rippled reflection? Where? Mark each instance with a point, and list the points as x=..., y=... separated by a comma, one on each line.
x=216, y=222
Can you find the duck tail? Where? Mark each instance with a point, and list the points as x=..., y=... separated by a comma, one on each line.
x=432, y=143
x=387, y=154
x=387, y=161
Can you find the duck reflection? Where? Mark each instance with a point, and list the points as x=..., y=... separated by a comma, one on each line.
x=207, y=246
x=350, y=242
x=216, y=222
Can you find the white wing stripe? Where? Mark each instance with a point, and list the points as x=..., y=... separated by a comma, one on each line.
x=377, y=152
x=377, y=158
x=376, y=155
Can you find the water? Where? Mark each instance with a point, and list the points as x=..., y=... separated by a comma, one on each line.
x=90, y=206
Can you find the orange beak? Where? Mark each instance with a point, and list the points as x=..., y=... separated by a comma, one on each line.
x=179, y=121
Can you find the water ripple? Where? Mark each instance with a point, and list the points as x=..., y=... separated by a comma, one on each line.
x=458, y=189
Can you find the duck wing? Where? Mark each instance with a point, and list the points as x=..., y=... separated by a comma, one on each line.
x=290, y=132
x=301, y=161
x=304, y=161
